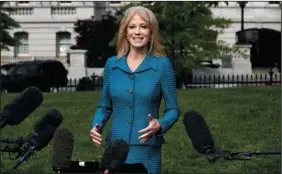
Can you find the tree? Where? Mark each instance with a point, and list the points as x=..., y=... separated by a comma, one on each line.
x=94, y=36
x=189, y=33
x=6, y=23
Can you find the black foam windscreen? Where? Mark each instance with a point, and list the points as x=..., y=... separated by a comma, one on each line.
x=43, y=137
x=198, y=131
x=24, y=104
x=52, y=117
x=62, y=149
x=114, y=156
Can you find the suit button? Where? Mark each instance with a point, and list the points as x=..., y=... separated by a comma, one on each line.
x=130, y=91
x=130, y=106
x=129, y=121
x=131, y=77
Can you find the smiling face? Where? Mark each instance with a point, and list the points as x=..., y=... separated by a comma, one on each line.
x=138, y=32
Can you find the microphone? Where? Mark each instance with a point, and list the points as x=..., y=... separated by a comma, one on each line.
x=198, y=131
x=112, y=160
x=114, y=156
x=37, y=143
x=203, y=142
x=52, y=117
x=26, y=102
x=62, y=150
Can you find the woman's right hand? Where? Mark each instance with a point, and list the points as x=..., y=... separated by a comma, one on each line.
x=95, y=135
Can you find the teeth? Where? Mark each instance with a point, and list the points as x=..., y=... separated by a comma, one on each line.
x=138, y=38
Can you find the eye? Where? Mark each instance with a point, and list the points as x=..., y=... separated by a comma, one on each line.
x=131, y=26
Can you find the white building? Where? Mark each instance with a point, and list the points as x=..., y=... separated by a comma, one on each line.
x=47, y=28
x=258, y=16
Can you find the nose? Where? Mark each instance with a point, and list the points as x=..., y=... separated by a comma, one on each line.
x=137, y=31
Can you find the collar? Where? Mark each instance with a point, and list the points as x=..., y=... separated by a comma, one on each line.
x=150, y=61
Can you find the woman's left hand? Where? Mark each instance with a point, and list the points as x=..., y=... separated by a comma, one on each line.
x=151, y=130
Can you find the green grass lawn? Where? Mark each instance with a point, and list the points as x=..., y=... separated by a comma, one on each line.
x=240, y=119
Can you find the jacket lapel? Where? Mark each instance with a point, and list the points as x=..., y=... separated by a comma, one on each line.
x=121, y=64
x=150, y=61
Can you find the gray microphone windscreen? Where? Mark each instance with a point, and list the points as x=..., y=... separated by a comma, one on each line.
x=62, y=149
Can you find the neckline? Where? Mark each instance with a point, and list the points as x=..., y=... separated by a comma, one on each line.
x=138, y=67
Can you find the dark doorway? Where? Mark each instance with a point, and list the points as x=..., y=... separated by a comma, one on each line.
x=266, y=47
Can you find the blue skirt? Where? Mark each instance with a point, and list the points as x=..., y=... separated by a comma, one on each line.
x=149, y=156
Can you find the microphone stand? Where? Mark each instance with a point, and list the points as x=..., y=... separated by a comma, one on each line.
x=14, y=141
x=15, y=149
x=213, y=155
x=20, y=147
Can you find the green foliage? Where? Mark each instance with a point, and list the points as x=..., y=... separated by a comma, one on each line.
x=94, y=36
x=188, y=32
x=240, y=119
x=6, y=23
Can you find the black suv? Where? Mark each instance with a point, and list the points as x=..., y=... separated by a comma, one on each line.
x=43, y=74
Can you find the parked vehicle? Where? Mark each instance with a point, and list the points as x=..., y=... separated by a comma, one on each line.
x=44, y=74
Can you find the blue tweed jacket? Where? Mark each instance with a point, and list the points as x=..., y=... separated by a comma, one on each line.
x=130, y=96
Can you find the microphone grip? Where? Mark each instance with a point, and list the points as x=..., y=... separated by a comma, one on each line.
x=24, y=157
x=3, y=122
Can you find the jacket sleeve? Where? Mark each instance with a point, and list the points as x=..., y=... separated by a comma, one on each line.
x=104, y=108
x=168, y=85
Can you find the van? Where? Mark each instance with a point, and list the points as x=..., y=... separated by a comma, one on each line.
x=43, y=74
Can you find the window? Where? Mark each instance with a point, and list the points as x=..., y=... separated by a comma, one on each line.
x=63, y=43
x=65, y=2
x=22, y=48
x=115, y=2
x=20, y=71
x=22, y=3
x=274, y=2
x=226, y=61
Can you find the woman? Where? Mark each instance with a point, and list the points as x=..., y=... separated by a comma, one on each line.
x=134, y=83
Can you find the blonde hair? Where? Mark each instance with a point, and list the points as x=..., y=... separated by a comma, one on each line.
x=155, y=47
